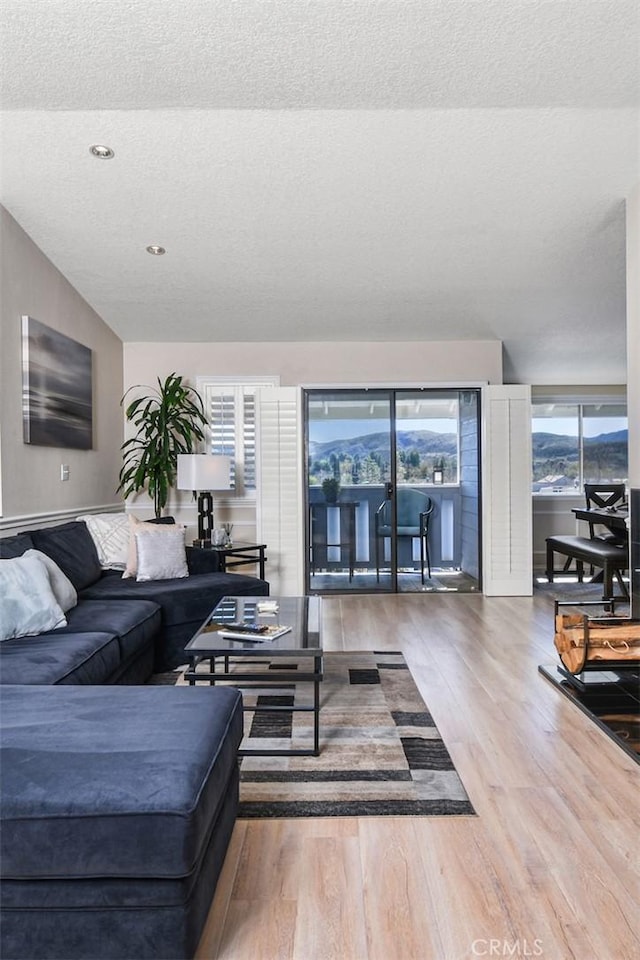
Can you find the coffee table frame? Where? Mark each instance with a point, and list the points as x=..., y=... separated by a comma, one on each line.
x=214, y=652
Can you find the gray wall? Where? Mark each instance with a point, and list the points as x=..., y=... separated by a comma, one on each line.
x=30, y=474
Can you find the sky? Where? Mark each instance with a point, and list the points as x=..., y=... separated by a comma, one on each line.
x=568, y=426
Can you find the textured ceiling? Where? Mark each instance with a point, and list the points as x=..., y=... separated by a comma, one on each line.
x=334, y=170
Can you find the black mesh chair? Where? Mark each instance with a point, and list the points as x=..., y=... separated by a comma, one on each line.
x=413, y=514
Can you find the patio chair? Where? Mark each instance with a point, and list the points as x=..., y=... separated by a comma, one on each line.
x=413, y=514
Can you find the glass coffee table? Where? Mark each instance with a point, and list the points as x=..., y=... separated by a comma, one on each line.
x=251, y=662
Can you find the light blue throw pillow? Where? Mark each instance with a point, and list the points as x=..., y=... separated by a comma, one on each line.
x=27, y=603
x=63, y=590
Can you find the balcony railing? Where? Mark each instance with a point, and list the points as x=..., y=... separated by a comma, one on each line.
x=334, y=545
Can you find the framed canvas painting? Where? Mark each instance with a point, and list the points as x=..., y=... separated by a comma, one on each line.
x=56, y=388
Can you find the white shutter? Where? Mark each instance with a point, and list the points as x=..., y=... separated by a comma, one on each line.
x=230, y=404
x=279, y=489
x=222, y=427
x=249, y=440
x=506, y=475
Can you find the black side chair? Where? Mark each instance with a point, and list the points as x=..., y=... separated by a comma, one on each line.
x=603, y=495
x=413, y=514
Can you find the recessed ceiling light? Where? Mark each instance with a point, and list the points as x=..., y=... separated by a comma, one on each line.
x=156, y=250
x=101, y=152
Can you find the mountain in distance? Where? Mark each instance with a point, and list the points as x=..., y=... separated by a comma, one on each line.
x=559, y=445
x=546, y=446
x=426, y=442
x=620, y=436
x=556, y=457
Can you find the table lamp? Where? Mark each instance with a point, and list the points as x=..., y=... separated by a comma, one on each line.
x=202, y=473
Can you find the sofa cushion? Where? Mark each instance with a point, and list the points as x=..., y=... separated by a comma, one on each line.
x=27, y=601
x=59, y=657
x=134, y=622
x=110, y=533
x=63, y=590
x=72, y=548
x=110, y=919
x=156, y=529
x=15, y=546
x=202, y=561
x=113, y=782
x=185, y=604
x=161, y=556
x=182, y=600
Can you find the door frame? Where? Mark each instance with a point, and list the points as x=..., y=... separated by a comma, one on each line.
x=390, y=392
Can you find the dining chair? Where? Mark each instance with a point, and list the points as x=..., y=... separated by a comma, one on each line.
x=603, y=496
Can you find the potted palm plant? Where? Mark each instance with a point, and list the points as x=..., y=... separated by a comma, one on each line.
x=169, y=420
x=331, y=489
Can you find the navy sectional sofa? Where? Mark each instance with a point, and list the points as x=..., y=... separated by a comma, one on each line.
x=118, y=799
x=118, y=804
x=121, y=630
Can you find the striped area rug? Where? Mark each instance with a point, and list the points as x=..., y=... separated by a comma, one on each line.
x=381, y=752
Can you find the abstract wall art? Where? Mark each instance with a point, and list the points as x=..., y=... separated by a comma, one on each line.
x=56, y=388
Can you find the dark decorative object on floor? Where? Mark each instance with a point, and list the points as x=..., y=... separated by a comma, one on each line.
x=611, y=698
x=576, y=592
x=599, y=668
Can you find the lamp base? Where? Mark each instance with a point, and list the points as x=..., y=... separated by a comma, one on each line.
x=202, y=544
x=205, y=516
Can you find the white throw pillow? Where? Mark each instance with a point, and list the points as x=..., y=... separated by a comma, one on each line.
x=161, y=553
x=161, y=530
x=26, y=599
x=110, y=533
x=63, y=590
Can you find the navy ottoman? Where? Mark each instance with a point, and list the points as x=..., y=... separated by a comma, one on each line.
x=118, y=804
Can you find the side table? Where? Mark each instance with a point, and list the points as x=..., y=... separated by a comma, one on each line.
x=238, y=554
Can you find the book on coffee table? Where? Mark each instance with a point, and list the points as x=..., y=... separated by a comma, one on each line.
x=260, y=632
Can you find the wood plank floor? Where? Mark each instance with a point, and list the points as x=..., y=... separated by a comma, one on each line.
x=548, y=868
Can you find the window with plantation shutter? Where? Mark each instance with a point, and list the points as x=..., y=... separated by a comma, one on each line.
x=249, y=438
x=231, y=410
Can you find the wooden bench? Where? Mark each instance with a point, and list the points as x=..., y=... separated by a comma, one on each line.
x=612, y=559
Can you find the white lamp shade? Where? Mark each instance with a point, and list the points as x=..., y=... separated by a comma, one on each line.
x=203, y=471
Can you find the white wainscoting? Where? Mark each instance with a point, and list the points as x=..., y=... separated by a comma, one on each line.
x=33, y=521
x=552, y=517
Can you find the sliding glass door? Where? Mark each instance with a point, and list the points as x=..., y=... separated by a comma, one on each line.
x=389, y=475
x=349, y=456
